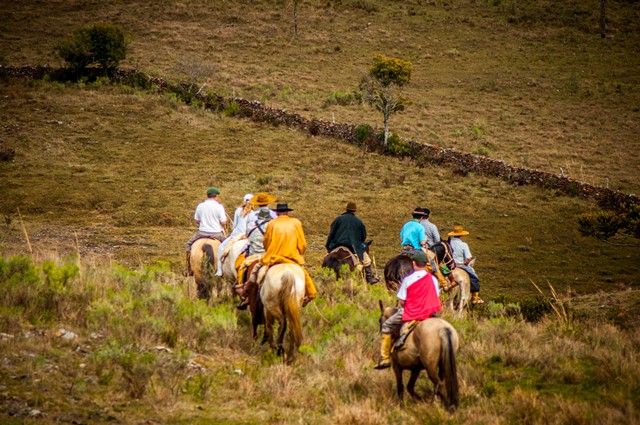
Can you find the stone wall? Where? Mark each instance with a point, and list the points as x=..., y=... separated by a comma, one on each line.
x=423, y=154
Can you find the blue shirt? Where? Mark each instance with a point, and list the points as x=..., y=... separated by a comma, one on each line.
x=412, y=233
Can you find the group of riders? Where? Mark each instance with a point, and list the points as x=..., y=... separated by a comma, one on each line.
x=275, y=238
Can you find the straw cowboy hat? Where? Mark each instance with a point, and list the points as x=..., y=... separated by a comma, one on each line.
x=458, y=231
x=262, y=199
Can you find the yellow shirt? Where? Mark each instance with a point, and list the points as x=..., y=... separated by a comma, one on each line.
x=284, y=241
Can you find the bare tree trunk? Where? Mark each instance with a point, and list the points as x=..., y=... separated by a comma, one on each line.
x=386, y=128
x=603, y=18
x=295, y=18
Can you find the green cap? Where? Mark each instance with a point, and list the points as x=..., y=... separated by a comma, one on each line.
x=420, y=257
x=213, y=191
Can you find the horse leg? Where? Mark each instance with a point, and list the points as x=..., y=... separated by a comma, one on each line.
x=283, y=329
x=399, y=383
x=433, y=372
x=412, y=383
x=268, y=329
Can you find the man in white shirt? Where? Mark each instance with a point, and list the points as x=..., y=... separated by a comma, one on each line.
x=211, y=218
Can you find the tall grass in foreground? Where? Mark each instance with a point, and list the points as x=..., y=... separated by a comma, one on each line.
x=136, y=347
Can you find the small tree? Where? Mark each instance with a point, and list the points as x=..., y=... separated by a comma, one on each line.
x=101, y=44
x=382, y=87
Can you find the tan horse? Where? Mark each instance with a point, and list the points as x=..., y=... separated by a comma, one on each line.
x=282, y=293
x=431, y=346
x=203, y=264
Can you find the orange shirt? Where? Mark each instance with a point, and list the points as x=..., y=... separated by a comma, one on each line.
x=284, y=241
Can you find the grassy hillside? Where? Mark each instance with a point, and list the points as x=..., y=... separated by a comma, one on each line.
x=528, y=82
x=115, y=172
x=99, y=184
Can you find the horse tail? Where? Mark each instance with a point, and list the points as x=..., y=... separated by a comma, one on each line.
x=448, y=365
x=210, y=258
x=291, y=308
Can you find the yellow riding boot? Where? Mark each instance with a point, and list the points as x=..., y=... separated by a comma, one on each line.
x=475, y=298
x=385, y=352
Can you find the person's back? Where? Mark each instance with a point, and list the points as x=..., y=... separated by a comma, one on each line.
x=284, y=238
x=412, y=235
x=256, y=229
x=430, y=229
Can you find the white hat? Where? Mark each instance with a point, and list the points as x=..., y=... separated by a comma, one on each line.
x=248, y=197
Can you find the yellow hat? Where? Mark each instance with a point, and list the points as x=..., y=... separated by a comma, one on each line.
x=458, y=231
x=262, y=198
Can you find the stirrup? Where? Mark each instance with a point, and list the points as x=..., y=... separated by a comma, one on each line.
x=383, y=365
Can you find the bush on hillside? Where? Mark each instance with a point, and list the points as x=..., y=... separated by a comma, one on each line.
x=101, y=44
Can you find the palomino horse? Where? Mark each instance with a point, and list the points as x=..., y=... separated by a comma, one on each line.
x=401, y=265
x=282, y=293
x=203, y=264
x=340, y=256
x=432, y=345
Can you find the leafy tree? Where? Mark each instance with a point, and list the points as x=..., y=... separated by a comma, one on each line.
x=382, y=87
x=606, y=224
x=101, y=44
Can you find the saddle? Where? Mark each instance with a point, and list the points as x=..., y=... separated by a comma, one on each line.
x=343, y=249
x=405, y=331
x=227, y=249
x=243, y=263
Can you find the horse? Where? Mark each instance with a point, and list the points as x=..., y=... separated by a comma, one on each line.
x=340, y=256
x=401, y=265
x=432, y=346
x=229, y=257
x=203, y=264
x=282, y=293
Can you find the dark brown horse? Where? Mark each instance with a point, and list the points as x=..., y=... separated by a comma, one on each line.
x=341, y=256
x=431, y=346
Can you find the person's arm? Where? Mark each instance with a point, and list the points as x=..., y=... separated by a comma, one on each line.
x=302, y=242
x=467, y=255
x=401, y=302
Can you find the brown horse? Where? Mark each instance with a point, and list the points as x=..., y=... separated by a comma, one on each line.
x=203, y=264
x=282, y=293
x=432, y=346
x=341, y=256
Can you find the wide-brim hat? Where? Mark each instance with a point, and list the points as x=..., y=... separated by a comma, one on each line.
x=282, y=208
x=458, y=231
x=351, y=206
x=262, y=198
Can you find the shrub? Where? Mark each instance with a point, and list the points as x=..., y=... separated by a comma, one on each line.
x=396, y=145
x=101, y=44
x=232, y=109
x=531, y=308
x=364, y=133
x=366, y=5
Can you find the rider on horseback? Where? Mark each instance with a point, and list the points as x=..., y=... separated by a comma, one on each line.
x=418, y=295
x=463, y=259
x=349, y=231
x=211, y=218
x=412, y=235
x=284, y=242
x=430, y=229
x=257, y=222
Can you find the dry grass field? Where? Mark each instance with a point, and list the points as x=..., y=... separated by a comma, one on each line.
x=528, y=82
x=107, y=178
